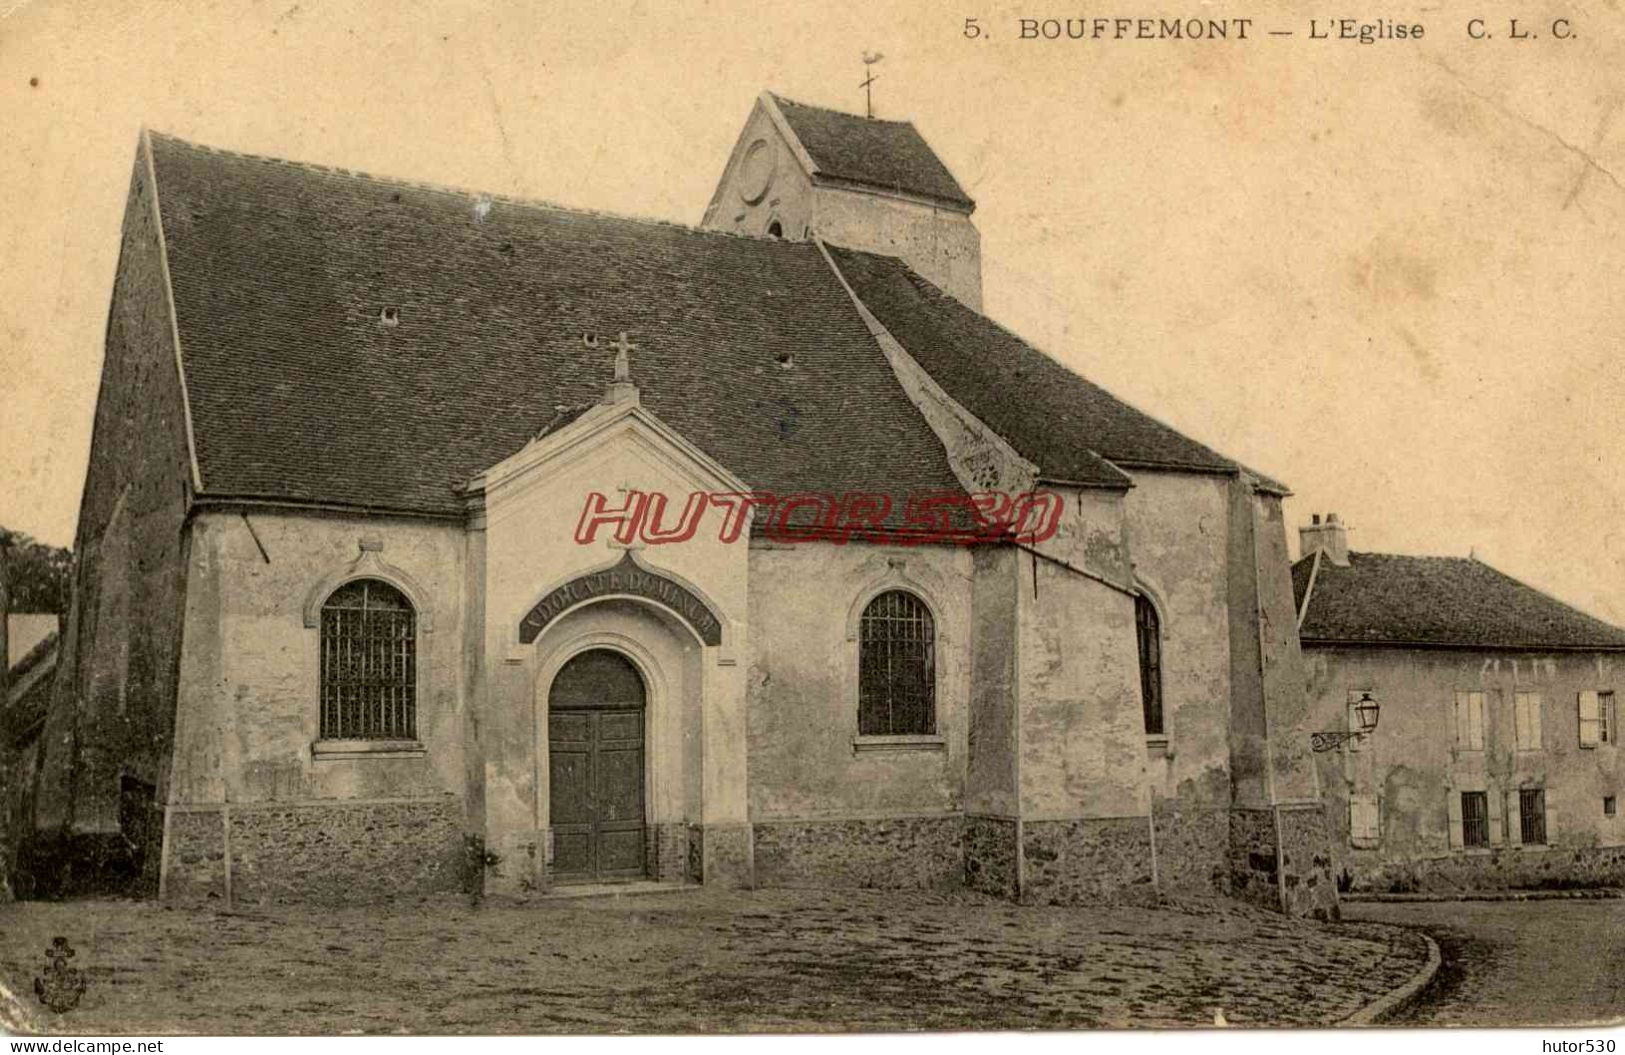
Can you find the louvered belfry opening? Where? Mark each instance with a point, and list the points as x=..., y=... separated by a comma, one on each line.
x=369, y=663
x=896, y=667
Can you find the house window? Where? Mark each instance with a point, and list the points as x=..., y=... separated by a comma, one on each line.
x=1532, y=815
x=369, y=663
x=1608, y=806
x=896, y=667
x=1365, y=821
x=1475, y=818
x=1598, y=722
x=1526, y=717
x=775, y=230
x=1150, y=636
x=1470, y=721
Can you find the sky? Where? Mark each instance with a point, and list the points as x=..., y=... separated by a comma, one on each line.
x=1389, y=275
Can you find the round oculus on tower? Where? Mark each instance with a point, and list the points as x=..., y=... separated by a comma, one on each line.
x=756, y=171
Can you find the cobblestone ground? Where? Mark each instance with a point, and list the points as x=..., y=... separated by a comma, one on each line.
x=1516, y=963
x=699, y=961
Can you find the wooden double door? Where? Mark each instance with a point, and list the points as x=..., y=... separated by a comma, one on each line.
x=595, y=725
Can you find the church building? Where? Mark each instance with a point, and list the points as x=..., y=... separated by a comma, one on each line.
x=434, y=540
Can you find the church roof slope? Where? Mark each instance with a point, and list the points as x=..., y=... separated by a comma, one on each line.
x=370, y=343
x=1052, y=416
x=891, y=155
x=1385, y=599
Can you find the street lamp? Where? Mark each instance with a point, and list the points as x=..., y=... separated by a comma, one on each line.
x=1366, y=713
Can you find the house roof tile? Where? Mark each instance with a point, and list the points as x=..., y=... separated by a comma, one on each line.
x=1386, y=599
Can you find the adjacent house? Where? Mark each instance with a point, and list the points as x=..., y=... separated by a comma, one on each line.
x=1496, y=761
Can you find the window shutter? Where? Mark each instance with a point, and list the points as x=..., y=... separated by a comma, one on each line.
x=1588, y=718
x=1526, y=716
x=1470, y=721
x=1365, y=821
x=1551, y=820
x=1456, y=842
x=1490, y=803
x=1514, y=818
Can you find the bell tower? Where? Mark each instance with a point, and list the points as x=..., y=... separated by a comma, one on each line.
x=799, y=172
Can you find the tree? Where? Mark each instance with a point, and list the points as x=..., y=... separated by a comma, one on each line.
x=39, y=577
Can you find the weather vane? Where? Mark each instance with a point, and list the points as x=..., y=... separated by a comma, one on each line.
x=869, y=59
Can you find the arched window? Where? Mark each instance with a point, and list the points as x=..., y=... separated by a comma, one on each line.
x=1150, y=635
x=775, y=230
x=897, y=673
x=369, y=663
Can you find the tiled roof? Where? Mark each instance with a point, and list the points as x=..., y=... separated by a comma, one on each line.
x=1382, y=598
x=888, y=154
x=1066, y=425
x=300, y=390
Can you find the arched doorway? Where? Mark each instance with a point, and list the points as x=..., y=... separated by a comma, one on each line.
x=595, y=733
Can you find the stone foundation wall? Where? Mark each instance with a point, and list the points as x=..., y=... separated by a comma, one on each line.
x=1294, y=877
x=1253, y=863
x=1306, y=863
x=696, y=853
x=1076, y=862
x=992, y=856
x=667, y=851
x=902, y=853
x=1511, y=868
x=339, y=852
x=196, y=861
x=726, y=855
x=1192, y=848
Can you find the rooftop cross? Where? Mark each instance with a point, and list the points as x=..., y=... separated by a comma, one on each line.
x=623, y=362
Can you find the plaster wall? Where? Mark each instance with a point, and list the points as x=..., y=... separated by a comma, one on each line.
x=1413, y=764
x=1178, y=530
x=807, y=760
x=1081, y=724
x=1082, y=735
x=249, y=720
x=1292, y=769
x=788, y=198
x=942, y=245
x=1251, y=783
x=992, y=733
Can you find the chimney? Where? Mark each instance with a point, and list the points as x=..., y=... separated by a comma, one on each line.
x=1330, y=538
